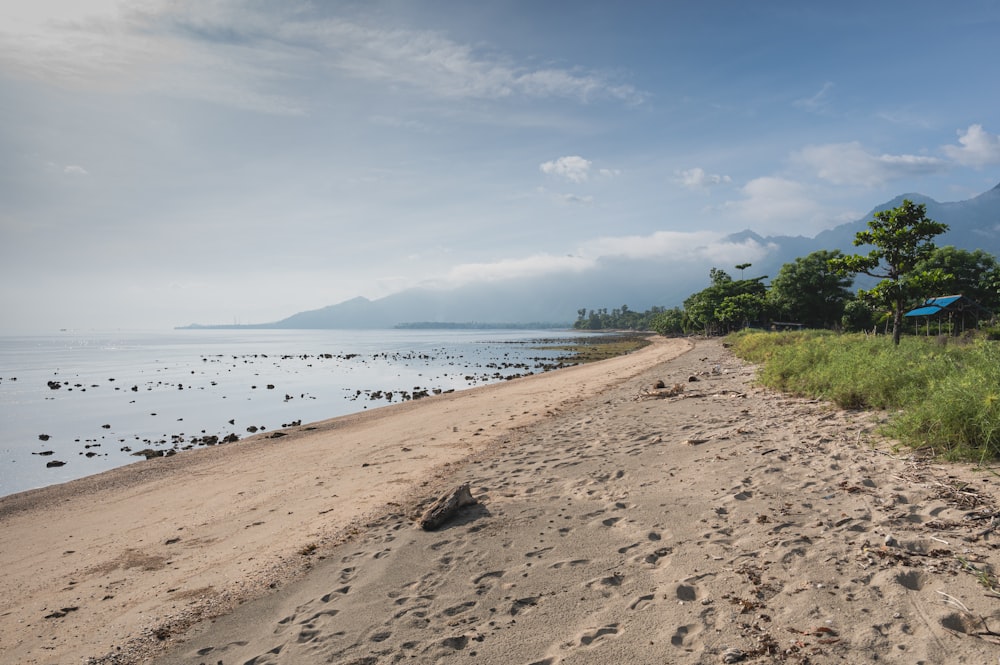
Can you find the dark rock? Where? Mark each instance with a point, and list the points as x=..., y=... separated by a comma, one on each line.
x=43, y=437
x=446, y=506
x=148, y=453
x=54, y=463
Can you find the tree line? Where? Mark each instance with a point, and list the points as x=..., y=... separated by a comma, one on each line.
x=815, y=291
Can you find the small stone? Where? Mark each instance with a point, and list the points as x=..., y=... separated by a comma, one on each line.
x=733, y=656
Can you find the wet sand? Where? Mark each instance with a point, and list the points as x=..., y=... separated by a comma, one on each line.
x=711, y=521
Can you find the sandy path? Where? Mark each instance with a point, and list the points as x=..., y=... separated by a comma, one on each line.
x=113, y=563
x=726, y=524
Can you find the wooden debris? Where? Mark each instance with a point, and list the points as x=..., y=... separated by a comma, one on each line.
x=446, y=506
x=661, y=391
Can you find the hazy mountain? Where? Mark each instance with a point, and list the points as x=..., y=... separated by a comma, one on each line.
x=641, y=284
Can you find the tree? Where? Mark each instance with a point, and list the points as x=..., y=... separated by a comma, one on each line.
x=971, y=274
x=901, y=239
x=669, y=322
x=857, y=316
x=705, y=307
x=739, y=310
x=810, y=291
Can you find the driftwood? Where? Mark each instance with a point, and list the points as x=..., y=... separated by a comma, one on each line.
x=660, y=391
x=445, y=507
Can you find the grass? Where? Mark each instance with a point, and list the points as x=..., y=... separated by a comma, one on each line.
x=944, y=393
x=597, y=347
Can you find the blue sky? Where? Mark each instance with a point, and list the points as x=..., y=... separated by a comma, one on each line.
x=164, y=162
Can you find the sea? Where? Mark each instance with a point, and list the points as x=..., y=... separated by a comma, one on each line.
x=77, y=403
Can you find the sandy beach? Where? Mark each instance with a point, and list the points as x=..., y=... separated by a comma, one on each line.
x=711, y=521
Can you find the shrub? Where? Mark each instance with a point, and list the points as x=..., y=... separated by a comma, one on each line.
x=947, y=394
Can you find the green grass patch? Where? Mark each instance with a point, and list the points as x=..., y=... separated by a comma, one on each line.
x=597, y=347
x=945, y=393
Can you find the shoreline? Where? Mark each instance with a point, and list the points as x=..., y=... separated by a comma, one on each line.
x=112, y=401
x=101, y=564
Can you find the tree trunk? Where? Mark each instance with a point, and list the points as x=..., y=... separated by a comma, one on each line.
x=897, y=322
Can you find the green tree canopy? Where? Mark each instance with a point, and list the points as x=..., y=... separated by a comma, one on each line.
x=901, y=238
x=669, y=322
x=810, y=291
x=709, y=310
x=974, y=274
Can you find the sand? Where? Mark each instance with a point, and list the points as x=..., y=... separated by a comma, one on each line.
x=712, y=521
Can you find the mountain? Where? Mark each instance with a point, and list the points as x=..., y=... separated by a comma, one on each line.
x=973, y=224
x=639, y=283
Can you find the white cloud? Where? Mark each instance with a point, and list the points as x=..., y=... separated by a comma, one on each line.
x=247, y=55
x=774, y=204
x=817, y=101
x=529, y=267
x=700, y=246
x=433, y=63
x=851, y=164
x=674, y=246
x=72, y=169
x=696, y=178
x=573, y=168
x=978, y=147
x=574, y=199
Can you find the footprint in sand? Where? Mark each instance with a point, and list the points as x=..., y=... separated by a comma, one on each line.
x=609, y=581
x=688, y=590
x=685, y=637
x=575, y=562
x=912, y=580
x=593, y=637
x=642, y=602
x=657, y=557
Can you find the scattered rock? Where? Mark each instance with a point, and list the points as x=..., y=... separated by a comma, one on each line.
x=733, y=656
x=148, y=453
x=446, y=506
x=58, y=614
x=54, y=463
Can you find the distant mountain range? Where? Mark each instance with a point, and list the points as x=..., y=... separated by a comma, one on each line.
x=641, y=284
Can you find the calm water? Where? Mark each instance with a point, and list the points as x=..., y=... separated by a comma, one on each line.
x=119, y=394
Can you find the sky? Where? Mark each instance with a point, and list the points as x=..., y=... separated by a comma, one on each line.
x=164, y=162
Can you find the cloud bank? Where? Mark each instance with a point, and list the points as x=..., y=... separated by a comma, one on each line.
x=851, y=164
x=977, y=148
